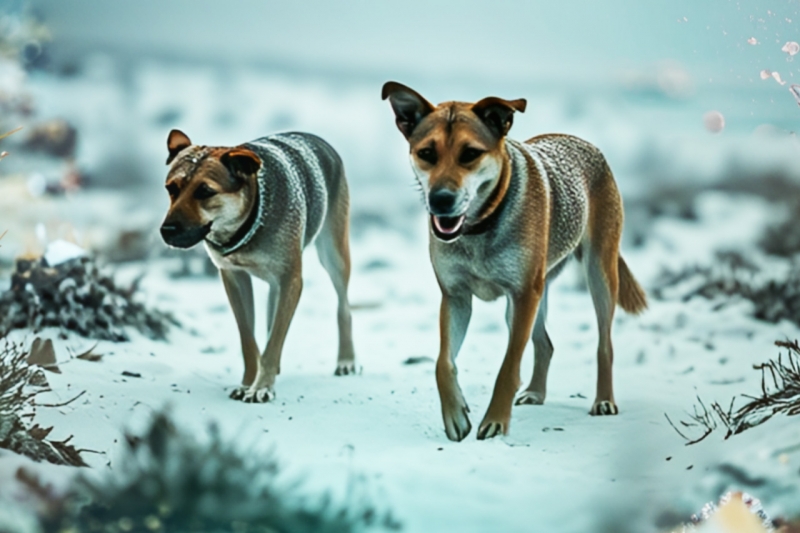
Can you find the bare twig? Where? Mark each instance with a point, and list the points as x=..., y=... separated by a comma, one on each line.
x=4, y=135
x=780, y=394
x=61, y=404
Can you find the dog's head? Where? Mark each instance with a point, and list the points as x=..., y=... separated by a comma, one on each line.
x=457, y=152
x=211, y=191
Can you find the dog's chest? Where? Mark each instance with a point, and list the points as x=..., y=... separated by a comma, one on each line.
x=488, y=272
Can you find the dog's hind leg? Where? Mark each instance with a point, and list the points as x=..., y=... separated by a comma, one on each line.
x=602, y=281
x=333, y=248
x=542, y=346
x=454, y=317
x=272, y=305
x=600, y=263
x=239, y=288
x=542, y=353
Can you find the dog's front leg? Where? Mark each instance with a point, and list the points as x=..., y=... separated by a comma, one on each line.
x=289, y=288
x=239, y=289
x=522, y=309
x=454, y=318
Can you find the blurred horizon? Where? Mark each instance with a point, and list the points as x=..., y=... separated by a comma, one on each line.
x=638, y=80
x=571, y=41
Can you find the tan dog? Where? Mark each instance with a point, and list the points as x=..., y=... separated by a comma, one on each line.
x=257, y=206
x=505, y=216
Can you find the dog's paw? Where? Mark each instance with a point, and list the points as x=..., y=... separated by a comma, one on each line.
x=262, y=395
x=347, y=368
x=492, y=428
x=239, y=392
x=604, y=408
x=457, y=424
x=530, y=397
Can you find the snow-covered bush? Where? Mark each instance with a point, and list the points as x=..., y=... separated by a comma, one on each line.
x=170, y=481
x=15, y=392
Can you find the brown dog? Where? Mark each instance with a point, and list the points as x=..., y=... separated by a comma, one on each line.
x=257, y=206
x=504, y=217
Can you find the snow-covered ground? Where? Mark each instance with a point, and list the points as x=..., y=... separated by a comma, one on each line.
x=558, y=470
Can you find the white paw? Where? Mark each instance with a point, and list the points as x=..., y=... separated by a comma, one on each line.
x=604, y=408
x=347, y=368
x=530, y=397
x=262, y=395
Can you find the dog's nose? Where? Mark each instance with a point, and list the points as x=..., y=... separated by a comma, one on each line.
x=170, y=230
x=442, y=201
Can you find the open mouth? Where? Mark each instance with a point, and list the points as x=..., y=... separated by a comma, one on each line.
x=447, y=228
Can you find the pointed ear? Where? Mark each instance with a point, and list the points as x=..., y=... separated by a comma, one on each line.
x=241, y=162
x=498, y=114
x=409, y=107
x=176, y=142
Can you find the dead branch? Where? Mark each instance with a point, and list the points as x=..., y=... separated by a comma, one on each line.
x=780, y=394
x=4, y=135
x=61, y=404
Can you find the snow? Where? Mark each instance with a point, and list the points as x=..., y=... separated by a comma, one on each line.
x=61, y=251
x=791, y=48
x=558, y=467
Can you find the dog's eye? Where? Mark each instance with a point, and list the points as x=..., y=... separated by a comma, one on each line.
x=428, y=155
x=204, y=192
x=172, y=190
x=469, y=155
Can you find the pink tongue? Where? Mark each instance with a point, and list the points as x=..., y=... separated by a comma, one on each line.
x=448, y=231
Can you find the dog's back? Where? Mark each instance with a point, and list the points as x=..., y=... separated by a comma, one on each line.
x=303, y=175
x=571, y=169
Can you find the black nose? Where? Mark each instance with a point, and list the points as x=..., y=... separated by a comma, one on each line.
x=170, y=230
x=442, y=201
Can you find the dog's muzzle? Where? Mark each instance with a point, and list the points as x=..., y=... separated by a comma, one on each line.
x=446, y=224
x=178, y=236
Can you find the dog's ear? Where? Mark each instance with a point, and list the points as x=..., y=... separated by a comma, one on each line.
x=176, y=142
x=498, y=114
x=240, y=162
x=409, y=107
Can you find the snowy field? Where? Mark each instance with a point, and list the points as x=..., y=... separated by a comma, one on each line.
x=637, y=90
x=559, y=469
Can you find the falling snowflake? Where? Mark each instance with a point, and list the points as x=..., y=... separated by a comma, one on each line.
x=791, y=48
x=795, y=90
x=714, y=121
x=767, y=74
x=752, y=40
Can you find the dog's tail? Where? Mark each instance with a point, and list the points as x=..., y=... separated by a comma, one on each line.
x=631, y=295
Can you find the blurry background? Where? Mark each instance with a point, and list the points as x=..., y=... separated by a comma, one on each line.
x=681, y=96
x=671, y=91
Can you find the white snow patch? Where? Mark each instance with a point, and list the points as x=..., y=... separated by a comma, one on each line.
x=61, y=251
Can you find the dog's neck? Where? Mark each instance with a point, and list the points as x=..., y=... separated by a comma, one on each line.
x=493, y=206
x=255, y=219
